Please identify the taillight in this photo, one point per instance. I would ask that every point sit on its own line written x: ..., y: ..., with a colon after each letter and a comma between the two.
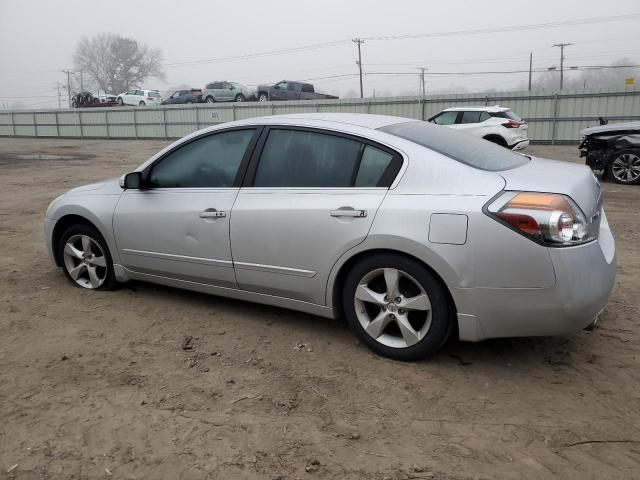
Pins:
x: 513, y: 124
x: 549, y: 218
x: 149, y: 98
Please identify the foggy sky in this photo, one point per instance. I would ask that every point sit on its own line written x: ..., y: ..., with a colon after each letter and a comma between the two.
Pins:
x: 38, y: 38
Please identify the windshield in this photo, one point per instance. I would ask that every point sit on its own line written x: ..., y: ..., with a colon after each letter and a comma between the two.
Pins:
x: 472, y: 151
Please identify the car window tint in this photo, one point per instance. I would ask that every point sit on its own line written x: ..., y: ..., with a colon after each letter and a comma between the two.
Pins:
x: 472, y: 151
x: 446, y: 118
x: 307, y: 88
x: 296, y: 158
x: 212, y: 161
x: 471, y: 117
x: 216, y: 86
x: 484, y: 116
x: 372, y: 167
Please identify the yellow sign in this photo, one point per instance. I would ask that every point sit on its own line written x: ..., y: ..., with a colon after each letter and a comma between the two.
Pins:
x: 629, y: 81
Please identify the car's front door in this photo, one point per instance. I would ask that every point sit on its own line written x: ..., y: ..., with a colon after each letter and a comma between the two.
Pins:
x: 279, y: 91
x: 310, y: 197
x: 129, y: 97
x: 178, y: 225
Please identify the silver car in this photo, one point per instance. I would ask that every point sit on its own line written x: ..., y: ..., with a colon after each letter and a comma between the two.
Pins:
x: 411, y: 231
x: 223, y: 91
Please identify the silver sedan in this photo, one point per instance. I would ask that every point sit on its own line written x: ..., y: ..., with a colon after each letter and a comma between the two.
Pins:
x: 411, y: 231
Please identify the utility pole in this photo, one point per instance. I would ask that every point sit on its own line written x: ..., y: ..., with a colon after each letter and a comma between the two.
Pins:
x: 530, y: 68
x: 359, y: 42
x: 58, y: 87
x: 423, y: 90
x: 68, y: 72
x: 561, y: 45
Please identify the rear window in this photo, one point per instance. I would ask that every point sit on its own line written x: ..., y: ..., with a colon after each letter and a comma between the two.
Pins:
x: 154, y: 94
x: 472, y: 151
x: 508, y: 114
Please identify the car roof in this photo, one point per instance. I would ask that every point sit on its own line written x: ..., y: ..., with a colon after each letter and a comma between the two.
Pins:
x: 630, y: 127
x: 364, y: 120
x: 495, y: 108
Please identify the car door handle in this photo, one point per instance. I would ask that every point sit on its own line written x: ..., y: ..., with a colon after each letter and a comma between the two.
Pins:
x: 212, y: 213
x: 348, y: 212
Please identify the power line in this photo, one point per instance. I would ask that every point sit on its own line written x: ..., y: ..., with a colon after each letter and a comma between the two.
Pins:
x: 515, y: 28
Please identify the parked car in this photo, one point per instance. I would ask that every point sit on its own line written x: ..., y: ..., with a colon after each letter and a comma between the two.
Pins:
x: 287, y: 90
x: 613, y: 149
x: 222, y: 91
x: 104, y: 97
x: 409, y: 230
x: 88, y: 99
x: 193, y: 95
x: 496, y: 124
x: 140, y: 98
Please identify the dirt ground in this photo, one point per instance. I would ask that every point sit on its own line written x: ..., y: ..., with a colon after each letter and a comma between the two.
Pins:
x: 97, y: 385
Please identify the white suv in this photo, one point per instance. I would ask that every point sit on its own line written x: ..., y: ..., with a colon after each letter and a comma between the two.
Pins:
x: 140, y: 97
x: 496, y: 124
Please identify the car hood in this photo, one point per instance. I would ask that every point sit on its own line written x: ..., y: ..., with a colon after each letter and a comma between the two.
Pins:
x: 552, y: 176
x: 627, y: 127
x: 107, y: 187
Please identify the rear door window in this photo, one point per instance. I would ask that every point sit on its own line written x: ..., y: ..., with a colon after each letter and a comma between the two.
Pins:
x: 373, y: 166
x: 470, y: 116
x: 299, y: 158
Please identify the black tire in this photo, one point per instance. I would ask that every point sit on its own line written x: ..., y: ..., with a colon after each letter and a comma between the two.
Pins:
x: 239, y: 98
x: 263, y: 97
x: 497, y: 140
x: 120, y: 101
x: 616, y: 171
x: 441, y: 325
x: 141, y: 104
x: 210, y: 99
x: 109, y: 282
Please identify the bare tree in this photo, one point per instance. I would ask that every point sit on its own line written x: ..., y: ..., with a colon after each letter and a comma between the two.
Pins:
x: 116, y: 64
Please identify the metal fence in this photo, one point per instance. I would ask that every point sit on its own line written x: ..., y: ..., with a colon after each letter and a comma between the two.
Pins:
x: 552, y: 117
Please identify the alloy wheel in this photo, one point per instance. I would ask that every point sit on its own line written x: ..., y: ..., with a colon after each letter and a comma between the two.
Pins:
x: 393, y: 308
x: 626, y: 168
x: 85, y: 261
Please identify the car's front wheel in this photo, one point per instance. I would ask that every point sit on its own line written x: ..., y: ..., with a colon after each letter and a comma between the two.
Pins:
x: 86, y: 260
x: 624, y: 167
x: 120, y: 101
x: 396, y: 306
x: 263, y: 97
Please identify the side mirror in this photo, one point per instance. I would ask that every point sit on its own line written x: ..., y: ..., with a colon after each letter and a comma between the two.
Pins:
x: 131, y: 181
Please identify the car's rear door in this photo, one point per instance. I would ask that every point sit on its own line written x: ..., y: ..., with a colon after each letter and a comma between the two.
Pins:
x: 178, y: 226
x: 309, y: 196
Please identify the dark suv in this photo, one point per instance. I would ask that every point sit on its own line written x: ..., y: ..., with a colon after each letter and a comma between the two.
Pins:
x: 193, y: 95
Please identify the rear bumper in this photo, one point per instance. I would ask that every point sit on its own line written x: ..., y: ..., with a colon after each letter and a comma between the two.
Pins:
x: 585, y: 276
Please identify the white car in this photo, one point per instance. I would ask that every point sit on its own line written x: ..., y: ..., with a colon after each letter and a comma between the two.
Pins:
x: 496, y: 124
x: 140, y: 98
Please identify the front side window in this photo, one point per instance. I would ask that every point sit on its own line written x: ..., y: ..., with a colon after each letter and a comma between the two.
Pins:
x: 297, y: 158
x: 209, y: 162
x: 446, y: 118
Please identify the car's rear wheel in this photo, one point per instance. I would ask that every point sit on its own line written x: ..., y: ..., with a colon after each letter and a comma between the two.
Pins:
x: 263, y: 97
x: 624, y: 167
x: 396, y: 306
x: 497, y: 140
x: 142, y: 104
x: 86, y: 260
x: 240, y: 98
x: 210, y: 99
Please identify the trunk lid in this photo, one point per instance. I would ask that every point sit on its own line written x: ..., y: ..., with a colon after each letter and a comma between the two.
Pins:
x: 552, y: 176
